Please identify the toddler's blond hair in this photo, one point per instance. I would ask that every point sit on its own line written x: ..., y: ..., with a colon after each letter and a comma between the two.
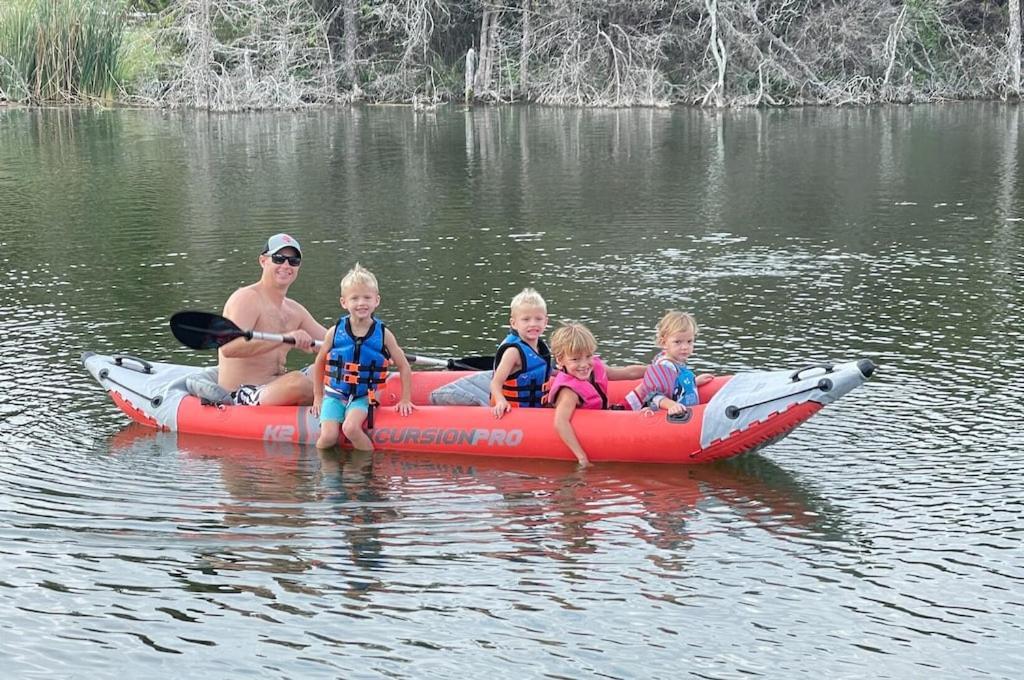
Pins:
x: 572, y: 340
x: 528, y: 298
x: 675, y: 322
x: 359, y: 276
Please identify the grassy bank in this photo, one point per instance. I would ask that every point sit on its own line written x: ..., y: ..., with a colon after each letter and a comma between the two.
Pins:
x: 60, y: 50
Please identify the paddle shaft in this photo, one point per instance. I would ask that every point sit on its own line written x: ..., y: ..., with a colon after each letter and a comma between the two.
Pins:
x: 288, y: 340
x: 273, y: 337
x: 203, y: 330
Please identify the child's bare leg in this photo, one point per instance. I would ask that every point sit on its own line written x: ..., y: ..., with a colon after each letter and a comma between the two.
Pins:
x: 328, y: 434
x: 353, y: 429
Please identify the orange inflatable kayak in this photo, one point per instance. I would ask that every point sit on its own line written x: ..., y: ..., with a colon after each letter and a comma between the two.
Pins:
x: 736, y: 414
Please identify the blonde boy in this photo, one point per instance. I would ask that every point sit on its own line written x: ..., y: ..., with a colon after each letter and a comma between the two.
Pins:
x: 353, y: 361
x: 522, y: 364
x: 668, y: 383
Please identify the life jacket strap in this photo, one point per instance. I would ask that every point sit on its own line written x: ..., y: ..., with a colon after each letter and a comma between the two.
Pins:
x: 531, y: 394
x: 356, y: 379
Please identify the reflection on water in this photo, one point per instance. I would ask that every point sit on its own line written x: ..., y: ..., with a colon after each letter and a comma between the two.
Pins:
x: 286, y: 524
x: 880, y: 539
x: 284, y: 489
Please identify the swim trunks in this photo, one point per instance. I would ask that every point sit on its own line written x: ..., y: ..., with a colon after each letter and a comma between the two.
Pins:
x: 249, y: 395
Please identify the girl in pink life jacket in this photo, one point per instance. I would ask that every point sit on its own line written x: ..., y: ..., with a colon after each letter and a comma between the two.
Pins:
x: 581, y: 381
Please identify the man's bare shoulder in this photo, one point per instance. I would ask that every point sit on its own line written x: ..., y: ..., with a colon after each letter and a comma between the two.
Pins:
x: 246, y: 294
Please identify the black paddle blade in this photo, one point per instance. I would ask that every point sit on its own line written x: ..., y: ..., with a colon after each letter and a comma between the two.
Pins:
x: 471, y: 364
x: 202, y: 330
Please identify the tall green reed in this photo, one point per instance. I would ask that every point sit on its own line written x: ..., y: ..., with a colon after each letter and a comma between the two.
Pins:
x: 60, y: 50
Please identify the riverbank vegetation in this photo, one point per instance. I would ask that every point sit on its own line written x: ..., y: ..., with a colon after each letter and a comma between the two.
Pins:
x: 253, y: 54
x: 60, y: 50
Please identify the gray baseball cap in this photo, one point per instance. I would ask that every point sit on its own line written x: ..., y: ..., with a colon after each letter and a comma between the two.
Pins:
x: 279, y: 241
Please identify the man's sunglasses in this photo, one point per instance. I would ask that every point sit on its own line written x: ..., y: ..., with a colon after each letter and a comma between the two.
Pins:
x: 293, y: 260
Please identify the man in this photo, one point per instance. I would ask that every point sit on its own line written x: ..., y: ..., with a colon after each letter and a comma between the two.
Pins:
x: 254, y: 370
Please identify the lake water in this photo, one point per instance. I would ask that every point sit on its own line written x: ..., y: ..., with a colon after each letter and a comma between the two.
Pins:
x: 881, y: 539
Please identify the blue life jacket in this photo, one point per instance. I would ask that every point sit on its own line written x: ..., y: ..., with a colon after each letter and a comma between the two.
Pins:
x: 528, y: 386
x: 355, y: 366
x: 685, y: 390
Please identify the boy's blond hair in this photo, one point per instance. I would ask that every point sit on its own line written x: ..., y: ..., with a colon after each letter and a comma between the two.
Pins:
x: 359, y: 276
x: 528, y: 298
x: 572, y: 340
x: 675, y: 322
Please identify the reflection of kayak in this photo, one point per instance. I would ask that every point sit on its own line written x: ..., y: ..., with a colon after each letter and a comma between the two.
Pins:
x: 525, y: 491
x: 737, y: 414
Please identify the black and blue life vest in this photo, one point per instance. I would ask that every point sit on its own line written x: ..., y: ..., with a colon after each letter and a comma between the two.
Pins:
x: 356, y: 366
x: 528, y: 386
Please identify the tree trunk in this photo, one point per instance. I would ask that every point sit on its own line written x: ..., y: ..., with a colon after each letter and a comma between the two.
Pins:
x: 716, y: 93
x: 488, y: 26
x: 470, y: 72
x: 480, y: 77
x: 524, y: 52
x: 206, y: 52
x: 1013, y: 47
x: 492, y: 40
x: 351, y: 29
x: 892, y: 44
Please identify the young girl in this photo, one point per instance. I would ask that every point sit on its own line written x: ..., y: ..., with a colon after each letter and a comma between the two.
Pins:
x: 668, y: 383
x: 581, y: 381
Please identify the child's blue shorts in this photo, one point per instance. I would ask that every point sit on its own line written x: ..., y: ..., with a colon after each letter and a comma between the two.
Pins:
x: 334, y: 409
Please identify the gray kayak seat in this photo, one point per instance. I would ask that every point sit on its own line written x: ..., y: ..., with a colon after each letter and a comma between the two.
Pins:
x: 203, y: 384
x: 472, y: 390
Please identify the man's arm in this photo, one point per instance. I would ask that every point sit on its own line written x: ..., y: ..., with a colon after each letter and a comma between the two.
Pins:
x: 309, y: 324
x: 243, y: 309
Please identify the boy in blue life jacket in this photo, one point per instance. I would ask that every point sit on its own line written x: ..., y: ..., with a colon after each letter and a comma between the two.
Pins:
x: 522, y: 365
x: 352, y: 362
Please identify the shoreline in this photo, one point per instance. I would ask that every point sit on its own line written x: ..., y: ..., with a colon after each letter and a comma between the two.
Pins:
x: 499, y: 105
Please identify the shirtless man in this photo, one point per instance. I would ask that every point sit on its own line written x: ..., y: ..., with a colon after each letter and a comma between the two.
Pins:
x: 253, y: 370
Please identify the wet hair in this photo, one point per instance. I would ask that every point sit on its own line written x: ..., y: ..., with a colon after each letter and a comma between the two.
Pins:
x: 572, y: 340
x: 359, y: 276
x: 675, y: 322
x: 528, y: 298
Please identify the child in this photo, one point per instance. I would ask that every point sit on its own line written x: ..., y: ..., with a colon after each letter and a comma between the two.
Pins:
x: 352, y: 361
x: 521, y: 376
x: 581, y: 381
x: 668, y: 384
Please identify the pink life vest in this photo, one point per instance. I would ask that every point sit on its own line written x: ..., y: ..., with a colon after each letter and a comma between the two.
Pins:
x: 593, y: 393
